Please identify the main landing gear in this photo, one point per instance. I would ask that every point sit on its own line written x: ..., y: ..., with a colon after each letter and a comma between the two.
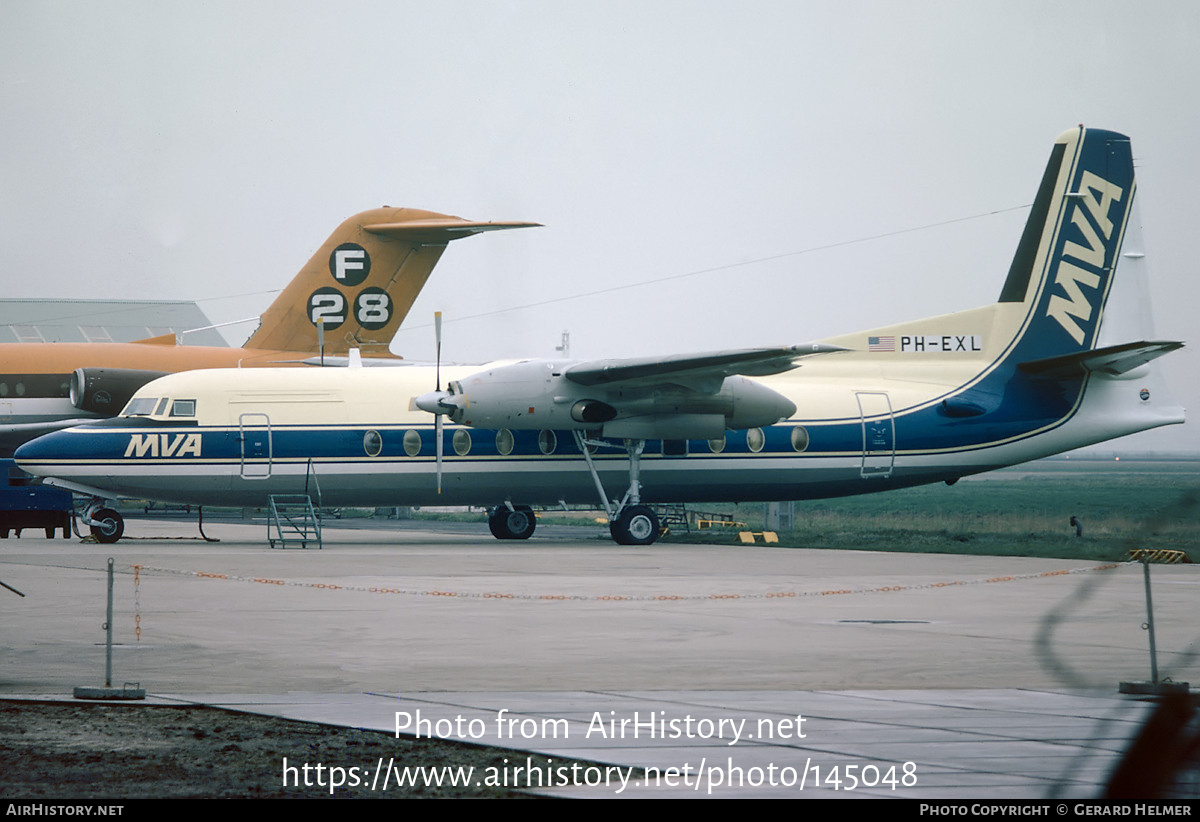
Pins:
x: 636, y: 525
x: 512, y: 522
x: 630, y: 522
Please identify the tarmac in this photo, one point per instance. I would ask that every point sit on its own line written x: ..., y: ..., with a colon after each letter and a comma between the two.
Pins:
x: 732, y: 671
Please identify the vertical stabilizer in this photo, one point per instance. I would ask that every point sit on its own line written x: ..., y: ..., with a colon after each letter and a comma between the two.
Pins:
x: 1068, y: 258
x: 362, y: 282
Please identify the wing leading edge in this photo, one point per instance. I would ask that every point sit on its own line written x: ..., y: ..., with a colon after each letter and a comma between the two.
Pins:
x: 700, y: 372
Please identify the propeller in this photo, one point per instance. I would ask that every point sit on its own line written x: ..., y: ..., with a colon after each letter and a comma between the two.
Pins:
x: 437, y: 417
x: 438, y: 402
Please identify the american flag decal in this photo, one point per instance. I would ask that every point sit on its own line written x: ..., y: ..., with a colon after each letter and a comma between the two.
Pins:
x: 881, y: 343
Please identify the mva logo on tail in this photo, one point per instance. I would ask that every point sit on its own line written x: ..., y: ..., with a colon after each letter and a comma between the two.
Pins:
x: 1072, y: 242
x: 1093, y: 218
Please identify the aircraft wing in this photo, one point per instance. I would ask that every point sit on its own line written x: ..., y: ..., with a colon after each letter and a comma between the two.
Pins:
x: 702, y: 372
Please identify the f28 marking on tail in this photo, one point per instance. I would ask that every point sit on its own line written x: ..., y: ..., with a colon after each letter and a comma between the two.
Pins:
x: 154, y: 445
x: 350, y: 264
x: 1069, y: 277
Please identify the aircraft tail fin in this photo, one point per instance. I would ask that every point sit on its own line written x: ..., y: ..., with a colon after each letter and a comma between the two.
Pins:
x: 1079, y: 259
x: 1076, y: 283
x: 362, y: 282
x: 1073, y: 320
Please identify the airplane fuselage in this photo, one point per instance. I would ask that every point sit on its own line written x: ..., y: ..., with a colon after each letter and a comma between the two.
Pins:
x: 352, y: 437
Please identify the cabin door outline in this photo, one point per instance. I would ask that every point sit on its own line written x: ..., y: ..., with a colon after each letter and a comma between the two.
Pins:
x: 878, y: 434
x: 257, y: 445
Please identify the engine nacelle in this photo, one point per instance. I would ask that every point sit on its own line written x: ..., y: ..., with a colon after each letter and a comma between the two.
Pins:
x: 535, y: 394
x: 107, y: 390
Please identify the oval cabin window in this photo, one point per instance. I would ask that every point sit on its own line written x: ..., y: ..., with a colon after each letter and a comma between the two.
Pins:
x: 372, y: 443
x: 462, y: 442
x: 504, y: 442
x: 412, y: 443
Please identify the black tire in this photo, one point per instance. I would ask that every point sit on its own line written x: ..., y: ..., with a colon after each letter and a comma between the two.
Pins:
x: 111, y: 527
x: 637, y: 525
x: 518, y: 523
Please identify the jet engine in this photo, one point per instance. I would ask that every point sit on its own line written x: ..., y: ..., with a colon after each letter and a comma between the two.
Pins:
x: 107, y: 390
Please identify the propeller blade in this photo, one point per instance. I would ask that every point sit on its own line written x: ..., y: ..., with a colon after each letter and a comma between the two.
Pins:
x: 437, y: 432
x: 433, y: 405
x: 437, y: 335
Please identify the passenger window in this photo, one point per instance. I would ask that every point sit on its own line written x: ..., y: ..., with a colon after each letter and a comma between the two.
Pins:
x: 412, y: 443
x: 461, y: 442
x: 504, y: 442
x: 372, y: 443
x: 183, y: 408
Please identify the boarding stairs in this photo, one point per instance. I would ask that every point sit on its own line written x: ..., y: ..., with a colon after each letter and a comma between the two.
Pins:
x: 674, y: 518
x: 291, y: 520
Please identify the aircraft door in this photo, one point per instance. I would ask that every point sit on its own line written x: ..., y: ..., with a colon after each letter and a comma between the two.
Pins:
x: 878, y: 433
x: 255, y: 434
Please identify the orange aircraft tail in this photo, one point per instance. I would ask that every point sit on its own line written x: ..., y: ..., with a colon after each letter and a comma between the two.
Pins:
x: 362, y: 282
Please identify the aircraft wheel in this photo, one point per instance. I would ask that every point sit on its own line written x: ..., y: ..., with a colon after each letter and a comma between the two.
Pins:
x: 637, y: 525
x: 111, y: 526
x: 515, y: 524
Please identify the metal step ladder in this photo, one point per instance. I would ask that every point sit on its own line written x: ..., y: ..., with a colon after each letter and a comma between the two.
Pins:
x: 292, y: 519
x: 674, y: 518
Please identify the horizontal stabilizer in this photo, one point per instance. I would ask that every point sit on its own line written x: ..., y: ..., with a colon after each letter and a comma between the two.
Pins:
x: 691, y: 369
x: 440, y: 231
x: 1114, y: 360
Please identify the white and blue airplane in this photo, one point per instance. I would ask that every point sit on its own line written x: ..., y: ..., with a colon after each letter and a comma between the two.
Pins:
x: 1062, y: 360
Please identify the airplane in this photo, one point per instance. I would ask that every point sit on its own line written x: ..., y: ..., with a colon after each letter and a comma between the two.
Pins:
x: 352, y: 294
x: 1062, y: 360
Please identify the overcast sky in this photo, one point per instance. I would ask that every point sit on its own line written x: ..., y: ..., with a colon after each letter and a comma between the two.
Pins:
x: 749, y: 151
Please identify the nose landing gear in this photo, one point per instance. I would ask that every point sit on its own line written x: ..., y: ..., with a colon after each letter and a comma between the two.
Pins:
x: 106, y: 525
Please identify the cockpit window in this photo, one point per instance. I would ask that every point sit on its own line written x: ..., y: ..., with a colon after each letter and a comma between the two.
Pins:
x: 183, y: 408
x: 162, y: 406
x: 140, y: 407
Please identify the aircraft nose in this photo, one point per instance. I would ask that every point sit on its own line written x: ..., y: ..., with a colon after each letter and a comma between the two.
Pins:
x: 29, y: 455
